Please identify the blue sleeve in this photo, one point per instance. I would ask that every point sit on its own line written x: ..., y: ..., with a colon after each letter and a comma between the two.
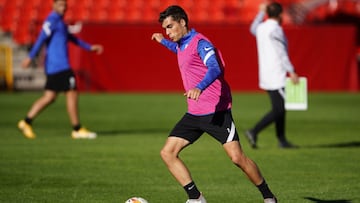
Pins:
x: 46, y: 31
x: 208, y: 55
x: 79, y: 42
x: 172, y: 46
x: 38, y: 44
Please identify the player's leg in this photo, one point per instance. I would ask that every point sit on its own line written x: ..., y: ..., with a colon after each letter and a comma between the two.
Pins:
x: 249, y: 167
x: 39, y: 105
x: 278, y: 107
x: 68, y: 85
x: 222, y: 128
x: 73, y: 112
x: 72, y: 107
x: 237, y: 156
x: 45, y: 100
x: 185, y: 132
x: 266, y: 120
x: 169, y: 154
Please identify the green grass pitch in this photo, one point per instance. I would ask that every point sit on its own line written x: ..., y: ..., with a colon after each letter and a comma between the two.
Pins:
x: 124, y: 160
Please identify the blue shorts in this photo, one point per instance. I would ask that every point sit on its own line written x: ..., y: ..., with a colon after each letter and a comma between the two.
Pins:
x: 219, y: 125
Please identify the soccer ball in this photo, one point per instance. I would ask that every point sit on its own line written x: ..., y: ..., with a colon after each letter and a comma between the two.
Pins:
x: 136, y: 200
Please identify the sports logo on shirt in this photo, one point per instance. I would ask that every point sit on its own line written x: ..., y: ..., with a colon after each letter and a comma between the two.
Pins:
x: 46, y: 28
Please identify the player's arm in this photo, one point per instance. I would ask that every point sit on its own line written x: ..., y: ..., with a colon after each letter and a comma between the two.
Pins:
x: 279, y: 42
x: 209, y: 57
x: 45, y: 33
x: 172, y: 46
x: 258, y: 19
x: 96, y: 47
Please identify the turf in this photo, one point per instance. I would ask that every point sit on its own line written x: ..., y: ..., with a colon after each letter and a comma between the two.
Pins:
x: 124, y: 160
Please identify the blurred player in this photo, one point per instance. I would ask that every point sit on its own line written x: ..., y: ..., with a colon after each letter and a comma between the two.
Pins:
x: 209, y: 104
x: 59, y: 76
x: 274, y: 63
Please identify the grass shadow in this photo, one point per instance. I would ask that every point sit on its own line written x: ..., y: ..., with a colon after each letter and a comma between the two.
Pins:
x: 353, y: 144
x: 131, y: 132
x: 327, y: 201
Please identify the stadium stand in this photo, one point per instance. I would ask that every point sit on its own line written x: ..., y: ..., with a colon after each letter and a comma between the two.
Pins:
x: 21, y: 19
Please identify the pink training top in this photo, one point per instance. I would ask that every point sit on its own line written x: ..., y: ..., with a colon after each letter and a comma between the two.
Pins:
x: 217, y: 96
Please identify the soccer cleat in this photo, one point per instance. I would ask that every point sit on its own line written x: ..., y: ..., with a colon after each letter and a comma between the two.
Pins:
x: 26, y: 129
x: 83, y: 133
x: 287, y: 145
x: 270, y: 200
x: 201, y: 199
x: 251, y: 138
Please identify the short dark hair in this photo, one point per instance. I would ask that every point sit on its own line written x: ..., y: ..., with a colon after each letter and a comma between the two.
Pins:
x: 176, y: 12
x: 274, y: 10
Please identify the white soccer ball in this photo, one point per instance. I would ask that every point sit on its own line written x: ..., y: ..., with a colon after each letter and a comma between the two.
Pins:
x: 136, y: 200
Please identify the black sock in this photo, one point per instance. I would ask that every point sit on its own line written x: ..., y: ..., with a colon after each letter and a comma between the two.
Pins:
x: 77, y: 127
x: 192, y: 190
x: 265, y: 191
x: 28, y: 120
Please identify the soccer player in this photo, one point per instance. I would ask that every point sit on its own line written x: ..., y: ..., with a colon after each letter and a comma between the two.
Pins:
x: 274, y: 63
x: 59, y: 76
x: 209, y: 104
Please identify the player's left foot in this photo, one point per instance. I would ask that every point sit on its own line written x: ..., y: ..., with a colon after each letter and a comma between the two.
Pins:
x: 270, y: 200
x: 26, y: 129
x: 83, y: 133
x: 251, y: 138
x: 287, y: 145
x: 201, y: 199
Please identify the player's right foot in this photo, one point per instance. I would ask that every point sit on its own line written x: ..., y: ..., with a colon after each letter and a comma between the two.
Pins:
x: 26, y: 129
x: 251, y: 138
x: 83, y: 133
x: 270, y: 200
x: 287, y: 145
x: 201, y: 199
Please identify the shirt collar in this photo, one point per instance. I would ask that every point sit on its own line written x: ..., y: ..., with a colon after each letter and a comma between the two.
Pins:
x: 184, y: 41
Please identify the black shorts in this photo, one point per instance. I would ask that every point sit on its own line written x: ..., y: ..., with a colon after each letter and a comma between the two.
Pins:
x: 61, y: 82
x: 219, y: 125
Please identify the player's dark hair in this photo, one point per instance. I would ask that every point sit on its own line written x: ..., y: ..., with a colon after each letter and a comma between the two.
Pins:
x: 274, y: 10
x: 176, y: 12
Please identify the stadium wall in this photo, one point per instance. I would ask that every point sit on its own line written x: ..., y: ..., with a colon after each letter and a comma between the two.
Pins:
x: 131, y: 61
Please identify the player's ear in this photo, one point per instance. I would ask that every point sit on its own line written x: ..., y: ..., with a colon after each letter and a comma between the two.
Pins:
x: 182, y: 22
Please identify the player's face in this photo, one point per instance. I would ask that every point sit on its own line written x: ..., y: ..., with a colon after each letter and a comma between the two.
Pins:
x: 174, y: 30
x: 60, y: 7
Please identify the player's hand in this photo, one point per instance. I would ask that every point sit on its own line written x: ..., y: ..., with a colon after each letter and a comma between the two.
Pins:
x: 97, y: 48
x: 157, y: 36
x: 26, y: 62
x: 193, y: 94
x: 262, y: 7
x: 294, y: 78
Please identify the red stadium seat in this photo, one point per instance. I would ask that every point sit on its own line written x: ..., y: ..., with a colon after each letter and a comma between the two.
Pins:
x: 9, y: 15
x: 115, y: 14
x: 24, y: 25
x: 217, y: 11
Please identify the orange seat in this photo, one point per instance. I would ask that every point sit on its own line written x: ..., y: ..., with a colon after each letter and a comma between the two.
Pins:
x: 115, y: 14
x: 12, y: 13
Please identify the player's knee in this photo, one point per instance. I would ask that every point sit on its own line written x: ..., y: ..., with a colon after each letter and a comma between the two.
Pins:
x: 279, y: 112
x: 168, y: 155
x: 48, y: 100
x: 165, y: 155
x: 238, y: 160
